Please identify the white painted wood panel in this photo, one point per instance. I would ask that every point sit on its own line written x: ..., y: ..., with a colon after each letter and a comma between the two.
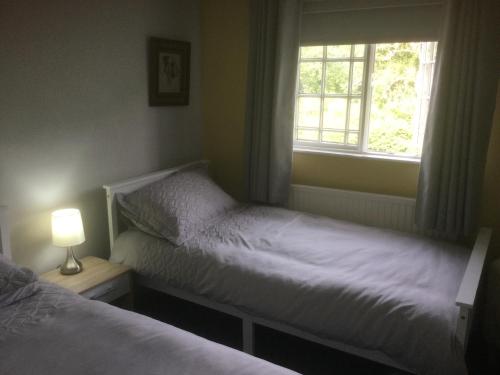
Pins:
x: 378, y: 210
x: 4, y: 233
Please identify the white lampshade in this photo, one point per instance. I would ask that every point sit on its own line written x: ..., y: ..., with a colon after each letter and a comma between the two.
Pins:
x: 67, y: 228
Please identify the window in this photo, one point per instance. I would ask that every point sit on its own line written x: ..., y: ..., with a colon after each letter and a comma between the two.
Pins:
x: 364, y: 98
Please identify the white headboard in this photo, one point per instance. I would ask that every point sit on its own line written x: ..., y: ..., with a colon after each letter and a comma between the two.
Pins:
x: 128, y: 186
x: 4, y: 233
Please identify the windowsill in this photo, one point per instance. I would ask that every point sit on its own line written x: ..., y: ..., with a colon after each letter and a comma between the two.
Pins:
x: 389, y: 158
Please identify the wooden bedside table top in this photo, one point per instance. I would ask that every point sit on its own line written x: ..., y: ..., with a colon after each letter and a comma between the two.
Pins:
x: 95, y: 272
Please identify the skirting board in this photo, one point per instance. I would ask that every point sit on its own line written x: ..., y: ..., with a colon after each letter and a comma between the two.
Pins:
x: 383, y: 211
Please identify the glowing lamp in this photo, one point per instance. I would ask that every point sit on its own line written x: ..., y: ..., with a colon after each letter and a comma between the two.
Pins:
x: 67, y: 231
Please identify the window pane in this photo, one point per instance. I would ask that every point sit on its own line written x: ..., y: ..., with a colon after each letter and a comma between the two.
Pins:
x: 309, y: 109
x: 359, y: 50
x: 333, y: 137
x: 331, y: 102
x: 310, y: 77
x: 431, y: 48
x: 311, y: 52
x: 338, y: 52
x: 307, y: 135
x: 357, y: 78
x: 337, y: 77
x: 334, y: 113
x: 352, y: 138
x: 422, y: 118
x: 395, y: 117
x: 354, y: 114
x: 428, y: 71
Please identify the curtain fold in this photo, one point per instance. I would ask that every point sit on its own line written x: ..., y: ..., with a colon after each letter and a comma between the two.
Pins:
x: 459, y: 119
x: 273, y: 56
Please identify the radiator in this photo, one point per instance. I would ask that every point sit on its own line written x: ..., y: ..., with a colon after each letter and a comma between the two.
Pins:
x: 386, y: 211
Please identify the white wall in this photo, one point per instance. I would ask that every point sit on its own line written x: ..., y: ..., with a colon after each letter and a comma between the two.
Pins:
x: 74, y: 112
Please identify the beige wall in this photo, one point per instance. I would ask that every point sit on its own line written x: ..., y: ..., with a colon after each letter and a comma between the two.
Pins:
x: 74, y: 111
x: 224, y: 40
x: 352, y: 173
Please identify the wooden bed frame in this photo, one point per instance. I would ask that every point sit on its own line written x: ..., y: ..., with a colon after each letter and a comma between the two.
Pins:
x: 466, y: 296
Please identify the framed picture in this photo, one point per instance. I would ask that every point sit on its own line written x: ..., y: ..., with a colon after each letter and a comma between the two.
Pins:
x: 168, y: 72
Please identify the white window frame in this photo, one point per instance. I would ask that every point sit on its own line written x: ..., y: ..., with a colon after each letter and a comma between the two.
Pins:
x: 365, y: 104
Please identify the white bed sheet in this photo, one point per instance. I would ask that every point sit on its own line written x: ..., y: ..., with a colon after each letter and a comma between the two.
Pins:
x: 375, y: 289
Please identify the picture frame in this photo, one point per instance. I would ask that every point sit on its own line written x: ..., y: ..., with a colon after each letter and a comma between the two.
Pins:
x: 168, y: 70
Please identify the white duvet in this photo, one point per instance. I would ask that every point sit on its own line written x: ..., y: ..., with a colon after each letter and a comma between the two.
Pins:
x: 375, y: 289
x: 56, y: 332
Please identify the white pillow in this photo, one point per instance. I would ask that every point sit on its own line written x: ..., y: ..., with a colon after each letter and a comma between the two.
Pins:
x: 176, y: 206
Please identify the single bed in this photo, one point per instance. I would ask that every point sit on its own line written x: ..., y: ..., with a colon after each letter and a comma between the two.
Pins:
x: 400, y: 299
x: 45, y: 329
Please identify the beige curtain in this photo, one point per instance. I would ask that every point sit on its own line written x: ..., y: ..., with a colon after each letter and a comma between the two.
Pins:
x: 459, y: 119
x: 274, y: 48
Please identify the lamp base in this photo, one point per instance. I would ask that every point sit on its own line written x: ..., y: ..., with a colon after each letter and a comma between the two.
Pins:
x: 72, y: 265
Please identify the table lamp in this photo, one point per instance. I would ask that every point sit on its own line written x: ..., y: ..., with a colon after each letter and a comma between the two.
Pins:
x: 67, y: 231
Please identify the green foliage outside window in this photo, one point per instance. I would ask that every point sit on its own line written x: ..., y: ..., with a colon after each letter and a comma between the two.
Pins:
x: 310, y: 77
x: 394, y: 98
x: 396, y: 104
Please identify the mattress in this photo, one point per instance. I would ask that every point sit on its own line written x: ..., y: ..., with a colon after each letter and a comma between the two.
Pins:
x: 371, y: 288
x: 57, y: 332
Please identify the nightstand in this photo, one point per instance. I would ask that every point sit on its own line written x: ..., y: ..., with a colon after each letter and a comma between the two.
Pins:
x: 100, y: 280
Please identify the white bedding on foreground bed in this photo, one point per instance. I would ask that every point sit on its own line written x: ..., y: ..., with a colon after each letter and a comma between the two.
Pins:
x: 371, y: 288
x: 54, y: 331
